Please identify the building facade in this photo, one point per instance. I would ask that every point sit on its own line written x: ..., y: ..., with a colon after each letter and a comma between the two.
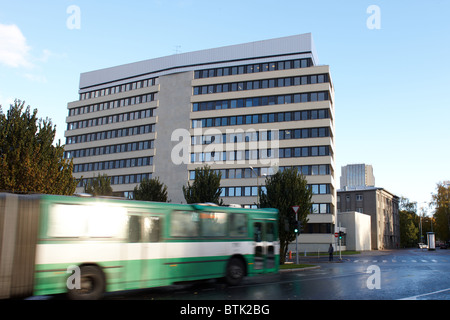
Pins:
x: 246, y: 110
x: 382, y: 206
x: 357, y: 176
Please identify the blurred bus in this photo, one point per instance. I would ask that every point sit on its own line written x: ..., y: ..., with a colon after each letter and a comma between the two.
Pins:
x: 85, y: 246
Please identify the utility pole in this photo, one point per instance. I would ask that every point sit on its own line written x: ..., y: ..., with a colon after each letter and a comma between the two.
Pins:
x: 297, y: 231
x: 340, y: 252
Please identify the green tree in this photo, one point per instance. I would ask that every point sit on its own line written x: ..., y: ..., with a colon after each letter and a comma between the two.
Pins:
x: 99, y: 186
x: 409, y: 223
x: 283, y: 191
x: 441, y: 202
x: 205, y: 188
x: 29, y: 162
x: 151, y: 190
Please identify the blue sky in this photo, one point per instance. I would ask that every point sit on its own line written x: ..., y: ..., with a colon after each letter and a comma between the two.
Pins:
x: 391, y: 84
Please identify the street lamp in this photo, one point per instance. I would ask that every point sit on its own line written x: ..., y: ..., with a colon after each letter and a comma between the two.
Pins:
x: 257, y: 184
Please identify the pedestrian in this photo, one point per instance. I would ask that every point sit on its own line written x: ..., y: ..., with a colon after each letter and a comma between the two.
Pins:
x: 330, y: 252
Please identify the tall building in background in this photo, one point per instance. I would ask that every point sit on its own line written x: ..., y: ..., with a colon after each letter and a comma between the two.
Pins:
x: 357, y: 176
x: 246, y: 110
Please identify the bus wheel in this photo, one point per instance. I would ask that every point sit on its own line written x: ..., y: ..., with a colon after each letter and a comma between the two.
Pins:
x: 235, y: 272
x: 91, y: 284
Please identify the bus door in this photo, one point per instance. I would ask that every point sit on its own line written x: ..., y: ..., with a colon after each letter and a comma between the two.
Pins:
x: 265, y: 242
x: 151, y: 250
x: 143, y: 251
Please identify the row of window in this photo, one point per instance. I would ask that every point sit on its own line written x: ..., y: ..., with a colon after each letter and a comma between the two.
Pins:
x: 310, y: 170
x: 112, y: 104
x: 252, y: 191
x: 118, y: 148
x: 124, y: 179
x: 261, y: 84
x: 128, y: 116
x: 261, y: 118
x: 117, y: 89
x: 261, y: 101
x: 253, y: 135
x: 261, y: 135
x: 111, y: 134
x: 247, y: 173
x: 304, y: 133
x: 113, y: 164
x: 254, y: 68
x: 297, y: 152
x: 238, y: 155
x: 320, y: 208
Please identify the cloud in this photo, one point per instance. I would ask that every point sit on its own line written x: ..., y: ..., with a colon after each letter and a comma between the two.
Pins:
x: 14, y: 51
x: 35, y: 78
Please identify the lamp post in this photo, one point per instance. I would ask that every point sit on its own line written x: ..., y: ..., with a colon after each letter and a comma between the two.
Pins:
x: 257, y: 184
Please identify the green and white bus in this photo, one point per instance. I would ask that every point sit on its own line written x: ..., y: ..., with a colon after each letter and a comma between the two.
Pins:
x: 122, y: 245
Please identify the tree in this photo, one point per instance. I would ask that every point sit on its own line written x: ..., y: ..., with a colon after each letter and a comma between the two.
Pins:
x: 441, y: 202
x: 205, y: 188
x: 409, y: 223
x: 99, y: 186
x: 283, y: 191
x: 151, y: 190
x: 29, y: 162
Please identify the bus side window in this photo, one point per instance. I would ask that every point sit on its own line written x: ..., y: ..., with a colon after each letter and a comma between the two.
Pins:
x: 238, y: 225
x: 257, y: 231
x: 270, y: 232
x: 151, y: 229
x: 184, y: 224
x: 134, y: 229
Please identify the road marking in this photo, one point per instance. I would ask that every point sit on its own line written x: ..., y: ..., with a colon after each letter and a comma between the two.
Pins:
x: 375, y: 261
x: 394, y: 261
x: 403, y: 260
x: 413, y: 261
x: 356, y: 261
x: 425, y: 294
x: 384, y: 261
x: 365, y: 261
x: 424, y: 261
x: 434, y: 260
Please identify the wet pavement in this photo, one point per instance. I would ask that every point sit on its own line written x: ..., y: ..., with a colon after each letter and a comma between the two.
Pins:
x: 410, y: 274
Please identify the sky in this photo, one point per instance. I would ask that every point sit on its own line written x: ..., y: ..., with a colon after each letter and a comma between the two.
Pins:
x: 388, y: 62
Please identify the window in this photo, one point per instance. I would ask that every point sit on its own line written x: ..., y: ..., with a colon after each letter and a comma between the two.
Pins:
x: 238, y: 225
x: 213, y: 224
x: 184, y: 224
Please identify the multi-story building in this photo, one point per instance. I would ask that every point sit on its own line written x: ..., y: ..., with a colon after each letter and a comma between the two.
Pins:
x: 245, y: 110
x: 382, y: 206
x: 357, y: 176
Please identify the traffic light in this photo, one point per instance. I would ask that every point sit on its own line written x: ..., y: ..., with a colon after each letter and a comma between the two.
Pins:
x: 298, y: 227
x: 341, y: 235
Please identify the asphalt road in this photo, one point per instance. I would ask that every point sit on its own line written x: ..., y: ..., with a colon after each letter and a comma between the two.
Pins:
x: 411, y: 274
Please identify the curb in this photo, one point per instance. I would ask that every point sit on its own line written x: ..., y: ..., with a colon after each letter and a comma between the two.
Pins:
x: 298, y: 269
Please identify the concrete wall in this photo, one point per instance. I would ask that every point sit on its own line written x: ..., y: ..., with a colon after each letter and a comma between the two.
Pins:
x: 358, y: 227
x: 172, y: 113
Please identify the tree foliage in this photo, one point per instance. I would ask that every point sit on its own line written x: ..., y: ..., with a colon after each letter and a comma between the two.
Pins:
x: 99, y: 186
x: 284, y: 190
x: 151, y: 190
x: 205, y: 188
x: 441, y: 202
x: 29, y: 162
x: 409, y: 223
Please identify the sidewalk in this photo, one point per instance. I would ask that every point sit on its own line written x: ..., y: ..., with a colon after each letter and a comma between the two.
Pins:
x: 324, y: 258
